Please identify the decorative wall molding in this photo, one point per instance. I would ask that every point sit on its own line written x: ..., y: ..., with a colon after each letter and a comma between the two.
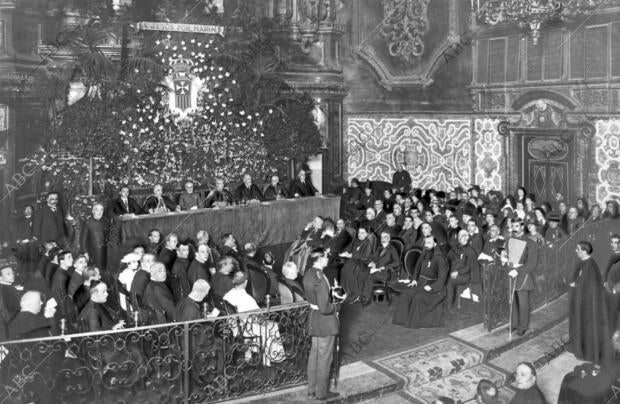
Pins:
x: 607, y: 159
x: 404, y: 24
x: 400, y: 62
x: 437, y: 151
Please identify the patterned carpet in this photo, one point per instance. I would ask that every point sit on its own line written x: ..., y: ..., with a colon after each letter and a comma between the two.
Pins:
x: 446, y: 367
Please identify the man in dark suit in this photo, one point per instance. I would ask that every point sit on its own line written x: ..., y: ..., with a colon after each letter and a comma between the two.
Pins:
x: 48, y: 223
x: 275, y: 190
x: 408, y: 234
x: 124, y: 204
x: 323, y: 326
x: 248, y: 191
x: 93, y: 237
x: 60, y: 281
x: 26, y: 249
x: 302, y: 186
x: 521, y: 276
x: 9, y: 295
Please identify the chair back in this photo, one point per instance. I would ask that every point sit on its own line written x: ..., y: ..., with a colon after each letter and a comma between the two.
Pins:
x: 411, y: 258
x: 373, y: 241
x: 259, y: 284
x: 286, y: 294
x: 399, y: 245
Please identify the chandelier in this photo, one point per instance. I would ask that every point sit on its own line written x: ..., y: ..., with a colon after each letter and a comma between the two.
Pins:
x: 533, y: 14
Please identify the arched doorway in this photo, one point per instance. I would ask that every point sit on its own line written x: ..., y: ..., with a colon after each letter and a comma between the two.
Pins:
x: 547, y: 153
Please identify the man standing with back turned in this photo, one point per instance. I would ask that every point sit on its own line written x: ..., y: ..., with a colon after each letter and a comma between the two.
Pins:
x: 323, y: 327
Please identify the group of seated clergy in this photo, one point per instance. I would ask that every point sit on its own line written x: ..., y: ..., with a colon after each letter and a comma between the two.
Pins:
x: 177, y: 281
x: 220, y: 196
x: 455, y: 232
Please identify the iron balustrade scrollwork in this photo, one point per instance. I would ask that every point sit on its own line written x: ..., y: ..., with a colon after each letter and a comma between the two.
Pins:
x: 556, y: 263
x: 199, y: 361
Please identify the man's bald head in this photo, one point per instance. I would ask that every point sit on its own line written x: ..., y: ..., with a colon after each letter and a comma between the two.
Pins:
x: 31, y: 302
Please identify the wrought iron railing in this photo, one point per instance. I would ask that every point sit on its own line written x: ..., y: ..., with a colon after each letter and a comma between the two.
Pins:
x: 555, y: 267
x: 199, y: 361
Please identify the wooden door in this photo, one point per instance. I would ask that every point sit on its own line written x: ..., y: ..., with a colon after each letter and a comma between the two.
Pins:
x: 546, y: 168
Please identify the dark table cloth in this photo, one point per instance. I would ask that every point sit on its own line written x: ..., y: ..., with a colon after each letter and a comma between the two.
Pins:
x: 266, y: 223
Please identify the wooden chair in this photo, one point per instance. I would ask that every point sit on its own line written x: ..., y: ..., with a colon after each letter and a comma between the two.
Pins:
x: 410, y: 259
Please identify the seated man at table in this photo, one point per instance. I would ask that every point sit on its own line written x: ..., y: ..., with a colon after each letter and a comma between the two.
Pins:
x: 190, y: 200
x: 219, y: 197
x: 302, y: 186
x: 275, y: 190
x: 248, y: 191
x: 124, y: 204
x: 158, y: 202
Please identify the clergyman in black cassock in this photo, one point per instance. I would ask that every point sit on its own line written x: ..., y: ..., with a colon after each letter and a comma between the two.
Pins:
x: 420, y: 305
x: 588, y: 324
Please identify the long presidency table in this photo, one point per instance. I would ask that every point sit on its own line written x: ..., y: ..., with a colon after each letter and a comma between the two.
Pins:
x: 266, y: 223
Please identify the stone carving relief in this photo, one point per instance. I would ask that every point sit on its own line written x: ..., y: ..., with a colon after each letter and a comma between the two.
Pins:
x: 593, y: 99
x: 437, y: 151
x: 404, y: 24
x: 406, y: 41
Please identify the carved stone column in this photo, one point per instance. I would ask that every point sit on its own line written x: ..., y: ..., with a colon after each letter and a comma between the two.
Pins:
x: 312, y: 65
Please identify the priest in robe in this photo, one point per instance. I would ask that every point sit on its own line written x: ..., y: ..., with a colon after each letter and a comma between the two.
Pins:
x: 30, y: 322
x: 159, y: 203
x: 219, y: 197
x: 158, y: 296
x: 421, y: 303
x: 95, y: 316
x: 189, y: 308
x: 357, y: 257
x: 588, y: 318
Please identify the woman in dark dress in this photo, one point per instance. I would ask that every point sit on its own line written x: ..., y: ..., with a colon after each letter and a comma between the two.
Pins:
x: 357, y: 255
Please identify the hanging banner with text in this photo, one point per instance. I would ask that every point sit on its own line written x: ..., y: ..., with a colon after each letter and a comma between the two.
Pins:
x: 174, y: 27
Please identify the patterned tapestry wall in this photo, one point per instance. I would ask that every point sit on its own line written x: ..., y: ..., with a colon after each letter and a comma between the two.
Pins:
x: 608, y: 160
x: 488, y: 154
x: 438, y: 152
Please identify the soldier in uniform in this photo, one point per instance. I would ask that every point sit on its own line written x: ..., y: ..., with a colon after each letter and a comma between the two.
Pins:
x: 523, y: 258
x: 323, y: 326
